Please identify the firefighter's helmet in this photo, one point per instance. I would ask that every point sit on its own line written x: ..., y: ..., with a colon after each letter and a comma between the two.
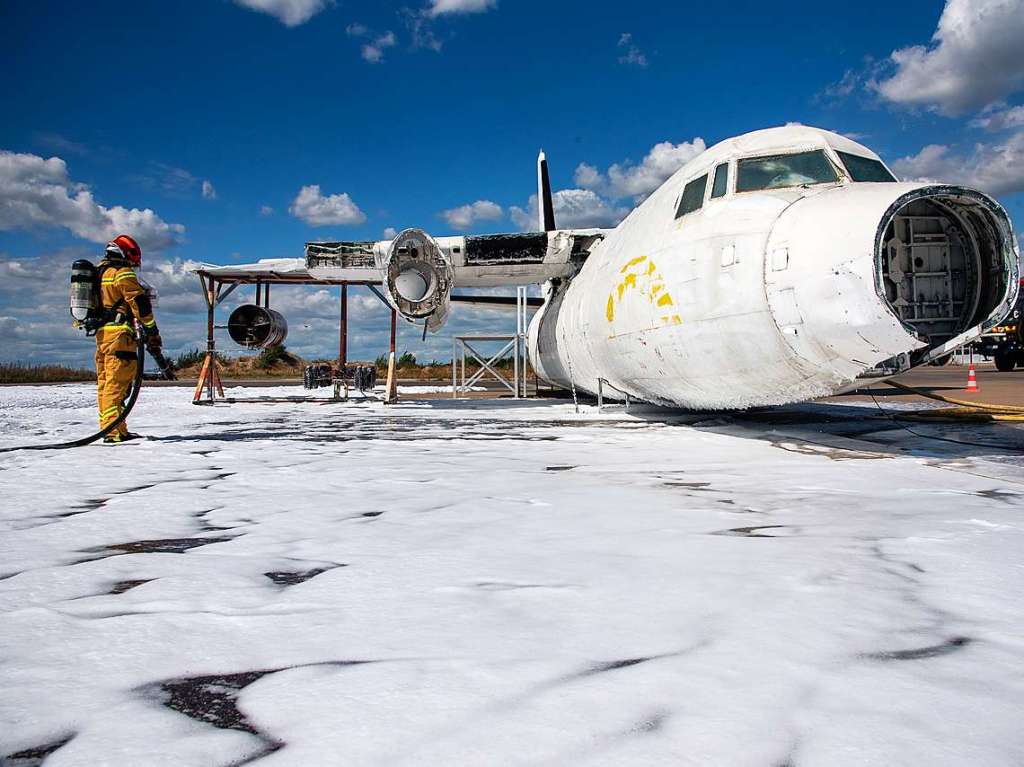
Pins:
x: 124, y: 248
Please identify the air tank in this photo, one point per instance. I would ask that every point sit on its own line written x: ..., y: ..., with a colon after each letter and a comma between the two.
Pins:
x: 83, y: 294
x: 257, y: 327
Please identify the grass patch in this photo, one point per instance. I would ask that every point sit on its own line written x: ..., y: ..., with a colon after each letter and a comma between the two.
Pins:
x: 274, y: 356
x: 195, y: 357
x: 20, y: 373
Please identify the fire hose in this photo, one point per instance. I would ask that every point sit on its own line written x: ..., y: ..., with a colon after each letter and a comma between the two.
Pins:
x: 961, y: 410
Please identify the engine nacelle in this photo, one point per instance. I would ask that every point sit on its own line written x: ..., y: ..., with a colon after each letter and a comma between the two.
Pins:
x: 256, y: 327
x: 418, y: 279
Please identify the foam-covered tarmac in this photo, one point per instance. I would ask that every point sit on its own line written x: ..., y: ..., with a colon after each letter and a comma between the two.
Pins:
x: 499, y: 582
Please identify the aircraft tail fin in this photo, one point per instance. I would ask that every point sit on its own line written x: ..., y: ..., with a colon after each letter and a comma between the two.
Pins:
x: 545, y: 207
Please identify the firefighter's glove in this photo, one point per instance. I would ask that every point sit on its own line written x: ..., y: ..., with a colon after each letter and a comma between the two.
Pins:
x: 154, y: 343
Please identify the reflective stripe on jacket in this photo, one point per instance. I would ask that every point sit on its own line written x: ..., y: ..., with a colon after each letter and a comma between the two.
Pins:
x: 120, y: 288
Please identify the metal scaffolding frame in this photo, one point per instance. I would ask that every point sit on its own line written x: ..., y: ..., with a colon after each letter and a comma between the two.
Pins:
x: 515, y: 342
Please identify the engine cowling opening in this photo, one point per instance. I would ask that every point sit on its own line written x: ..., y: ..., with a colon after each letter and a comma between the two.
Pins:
x: 419, y: 279
x: 412, y: 284
x: 257, y: 327
x: 947, y: 262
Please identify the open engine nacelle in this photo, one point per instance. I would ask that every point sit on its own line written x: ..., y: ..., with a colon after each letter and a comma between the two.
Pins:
x: 418, y: 279
x: 257, y: 327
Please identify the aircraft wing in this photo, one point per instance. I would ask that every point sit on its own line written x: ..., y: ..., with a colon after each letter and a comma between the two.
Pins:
x: 482, y: 261
x: 418, y: 272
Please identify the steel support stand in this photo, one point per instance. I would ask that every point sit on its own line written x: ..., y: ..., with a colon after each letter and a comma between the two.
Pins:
x: 209, y: 376
x: 343, y: 332
x: 521, y: 328
x: 391, y: 393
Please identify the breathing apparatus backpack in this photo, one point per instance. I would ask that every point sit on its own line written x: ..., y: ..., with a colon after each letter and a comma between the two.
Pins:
x: 87, y: 312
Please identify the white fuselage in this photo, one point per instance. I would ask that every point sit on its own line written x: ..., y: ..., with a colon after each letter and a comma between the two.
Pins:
x: 758, y: 298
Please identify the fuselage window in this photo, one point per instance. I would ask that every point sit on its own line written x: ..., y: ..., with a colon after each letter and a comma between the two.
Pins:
x: 721, y: 182
x: 693, y: 196
x: 784, y: 170
x: 864, y: 168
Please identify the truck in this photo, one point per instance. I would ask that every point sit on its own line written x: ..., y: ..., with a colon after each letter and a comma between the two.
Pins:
x: 1005, y: 342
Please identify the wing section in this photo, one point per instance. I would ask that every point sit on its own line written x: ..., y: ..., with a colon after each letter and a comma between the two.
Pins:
x: 418, y: 271
x: 483, y: 261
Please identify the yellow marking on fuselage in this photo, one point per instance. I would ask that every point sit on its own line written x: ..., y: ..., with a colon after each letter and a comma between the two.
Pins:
x: 634, y: 262
x: 648, y: 282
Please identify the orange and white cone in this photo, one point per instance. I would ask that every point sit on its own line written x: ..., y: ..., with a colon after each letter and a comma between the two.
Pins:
x: 972, y: 379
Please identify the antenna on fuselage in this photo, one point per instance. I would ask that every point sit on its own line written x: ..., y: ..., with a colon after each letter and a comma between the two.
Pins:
x: 545, y: 208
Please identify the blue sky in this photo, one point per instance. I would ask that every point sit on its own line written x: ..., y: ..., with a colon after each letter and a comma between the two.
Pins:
x: 229, y: 131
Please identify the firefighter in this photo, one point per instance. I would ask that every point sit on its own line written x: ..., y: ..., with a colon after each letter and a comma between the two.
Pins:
x: 124, y: 301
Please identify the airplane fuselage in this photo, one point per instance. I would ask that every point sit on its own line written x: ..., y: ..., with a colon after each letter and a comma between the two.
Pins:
x: 773, y: 296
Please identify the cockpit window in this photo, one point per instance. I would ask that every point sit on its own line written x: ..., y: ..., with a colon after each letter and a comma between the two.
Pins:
x: 693, y: 196
x: 784, y: 170
x: 864, y: 168
x: 721, y: 183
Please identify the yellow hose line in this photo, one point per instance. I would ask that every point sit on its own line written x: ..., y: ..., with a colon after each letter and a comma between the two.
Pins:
x: 957, y: 414
x: 963, y: 404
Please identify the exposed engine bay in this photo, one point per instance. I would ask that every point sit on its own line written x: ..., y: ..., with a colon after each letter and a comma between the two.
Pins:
x: 943, y: 259
x: 418, y: 278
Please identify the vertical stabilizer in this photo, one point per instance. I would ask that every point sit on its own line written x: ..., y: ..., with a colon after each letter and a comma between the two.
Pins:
x: 545, y: 208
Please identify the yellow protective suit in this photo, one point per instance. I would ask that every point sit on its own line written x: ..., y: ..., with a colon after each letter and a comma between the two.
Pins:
x: 116, y: 348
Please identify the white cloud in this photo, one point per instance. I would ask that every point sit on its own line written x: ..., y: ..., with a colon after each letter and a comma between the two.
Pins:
x: 629, y: 53
x: 374, y: 52
x: 266, y: 210
x: 850, y: 81
x: 32, y: 278
x: 465, y: 216
x: 291, y: 13
x: 421, y: 32
x: 574, y: 209
x: 1000, y: 118
x: 390, y: 233
x: 176, y: 284
x: 316, y: 210
x: 12, y: 270
x: 209, y: 193
x: 588, y: 177
x: 594, y: 203
x: 975, y: 59
x: 996, y: 168
x: 662, y: 161
x: 441, y: 7
x: 36, y: 192
x: 628, y: 180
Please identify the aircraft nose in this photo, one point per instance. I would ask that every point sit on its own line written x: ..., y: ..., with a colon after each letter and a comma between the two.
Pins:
x: 836, y: 273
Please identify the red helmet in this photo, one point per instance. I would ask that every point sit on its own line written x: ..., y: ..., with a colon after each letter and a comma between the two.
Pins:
x: 125, y: 248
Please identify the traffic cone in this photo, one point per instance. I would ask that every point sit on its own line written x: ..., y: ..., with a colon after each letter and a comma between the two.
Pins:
x: 972, y: 379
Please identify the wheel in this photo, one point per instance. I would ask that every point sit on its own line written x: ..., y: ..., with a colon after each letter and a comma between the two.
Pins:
x: 939, y: 362
x: 1005, y: 362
